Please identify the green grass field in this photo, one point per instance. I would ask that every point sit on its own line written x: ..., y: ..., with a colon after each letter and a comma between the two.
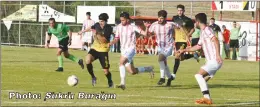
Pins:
x: 32, y: 70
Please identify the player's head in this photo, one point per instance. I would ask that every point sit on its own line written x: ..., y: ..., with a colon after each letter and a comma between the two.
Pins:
x: 103, y: 19
x: 201, y: 18
x: 52, y: 22
x: 234, y: 24
x: 223, y: 27
x: 212, y: 21
x: 88, y: 14
x: 181, y: 9
x: 162, y: 15
x: 124, y: 18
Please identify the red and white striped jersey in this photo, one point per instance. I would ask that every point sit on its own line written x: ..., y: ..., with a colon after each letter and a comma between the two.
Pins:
x: 126, y: 34
x: 87, y: 24
x: 163, y: 33
x: 208, y: 46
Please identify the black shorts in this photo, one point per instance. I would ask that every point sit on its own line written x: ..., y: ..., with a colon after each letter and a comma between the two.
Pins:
x: 102, y: 56
x: 234, y: 44
x: 63, y: 44
x: 194, y: 41
x: 179, y: 44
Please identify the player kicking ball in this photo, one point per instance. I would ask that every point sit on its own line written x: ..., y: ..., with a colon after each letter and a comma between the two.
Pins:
x: 61, y: 32
x: 126, y: 34
x: 164, y: 38
x: 210, y: 45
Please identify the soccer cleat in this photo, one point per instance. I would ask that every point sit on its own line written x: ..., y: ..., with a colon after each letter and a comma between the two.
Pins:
x: 196, y: 56
x: 203, y: 101
x: 60, y: 69
x: 161, y: 81
x: 94, y: 81
x: 121, y: 86
x: 81, y: 63
x: 110, y: 84
x: 168, y: 84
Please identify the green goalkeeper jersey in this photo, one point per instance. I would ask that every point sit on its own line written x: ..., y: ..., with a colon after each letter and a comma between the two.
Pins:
x: 59, y: 30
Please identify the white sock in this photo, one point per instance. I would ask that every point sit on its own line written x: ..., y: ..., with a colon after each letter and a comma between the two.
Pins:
x: 167, y: 72
x: 162, y: 69
x: 203, y: 84
x: 149, y: 51
x: 122, y: 74
x: 152, y: 50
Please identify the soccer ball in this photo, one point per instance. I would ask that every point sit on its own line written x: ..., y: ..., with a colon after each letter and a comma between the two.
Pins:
x: 72, y: 80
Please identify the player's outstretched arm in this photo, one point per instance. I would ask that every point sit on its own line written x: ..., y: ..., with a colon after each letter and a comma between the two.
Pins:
x: 146, y: 24
x: 192, y: 49
x: 114, y: 41
x: 48, y: 40
x: 86, y: 30
x: 70, y: 37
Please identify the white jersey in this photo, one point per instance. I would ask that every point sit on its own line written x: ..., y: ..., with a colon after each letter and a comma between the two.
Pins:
x: 163, y: 33
x: 208, y: 46
x: 126, y: 34
x: 86, y: 24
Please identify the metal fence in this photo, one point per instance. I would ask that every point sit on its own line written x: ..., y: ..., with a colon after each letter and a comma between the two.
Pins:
x: 33, y: 33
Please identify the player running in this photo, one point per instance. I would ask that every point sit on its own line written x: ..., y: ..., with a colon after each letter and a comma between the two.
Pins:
x: 87, y: 36
x: 61, y: 32
x: 164, y: 38
x: 100, y: 49
x: 181, y: 36
x: 126, y: 33
x: 210, y: 45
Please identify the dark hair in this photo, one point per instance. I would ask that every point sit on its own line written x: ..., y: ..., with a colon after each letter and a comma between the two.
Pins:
x: 223, y: 26
x: 162, y: 13
x: 88, y: 13
x: 201, y: 17
x: 103, y: 16
x: 52, y: 19
x: 181, y: 6
x: 234, y: 22
x: 212, y: 18
x: 125, y: 15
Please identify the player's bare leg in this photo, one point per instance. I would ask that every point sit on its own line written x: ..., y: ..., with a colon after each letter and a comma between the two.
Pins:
x: 156, y: 51
x: 89, y: 59
x: 204, y: 87
x: 125, y: 64
x: 88, y: 46
x: 73, y: 58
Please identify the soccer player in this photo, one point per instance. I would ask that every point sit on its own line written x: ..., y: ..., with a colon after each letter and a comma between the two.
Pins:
x: 63, y: 33
x: 210, y: 45
x: 149, y: 46
x: 195, y: 40
x: 164, y: 38
x: 100, y: 48
x: 226, y: 34
x: 181, y: 36
x: 234, y: 43
x: 218, y: 33
x: 126, y: 33
x: 87, y: 36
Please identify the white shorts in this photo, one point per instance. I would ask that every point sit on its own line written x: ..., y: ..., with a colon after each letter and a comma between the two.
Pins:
x: 87, y: 38
x: 211, y: 67
x: 164, y: 51
x: 128, y: 53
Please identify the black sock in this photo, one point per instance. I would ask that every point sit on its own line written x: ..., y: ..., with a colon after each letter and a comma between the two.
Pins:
x: 176, y: 66
x: 90, y: 70
x: 109, y: 77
